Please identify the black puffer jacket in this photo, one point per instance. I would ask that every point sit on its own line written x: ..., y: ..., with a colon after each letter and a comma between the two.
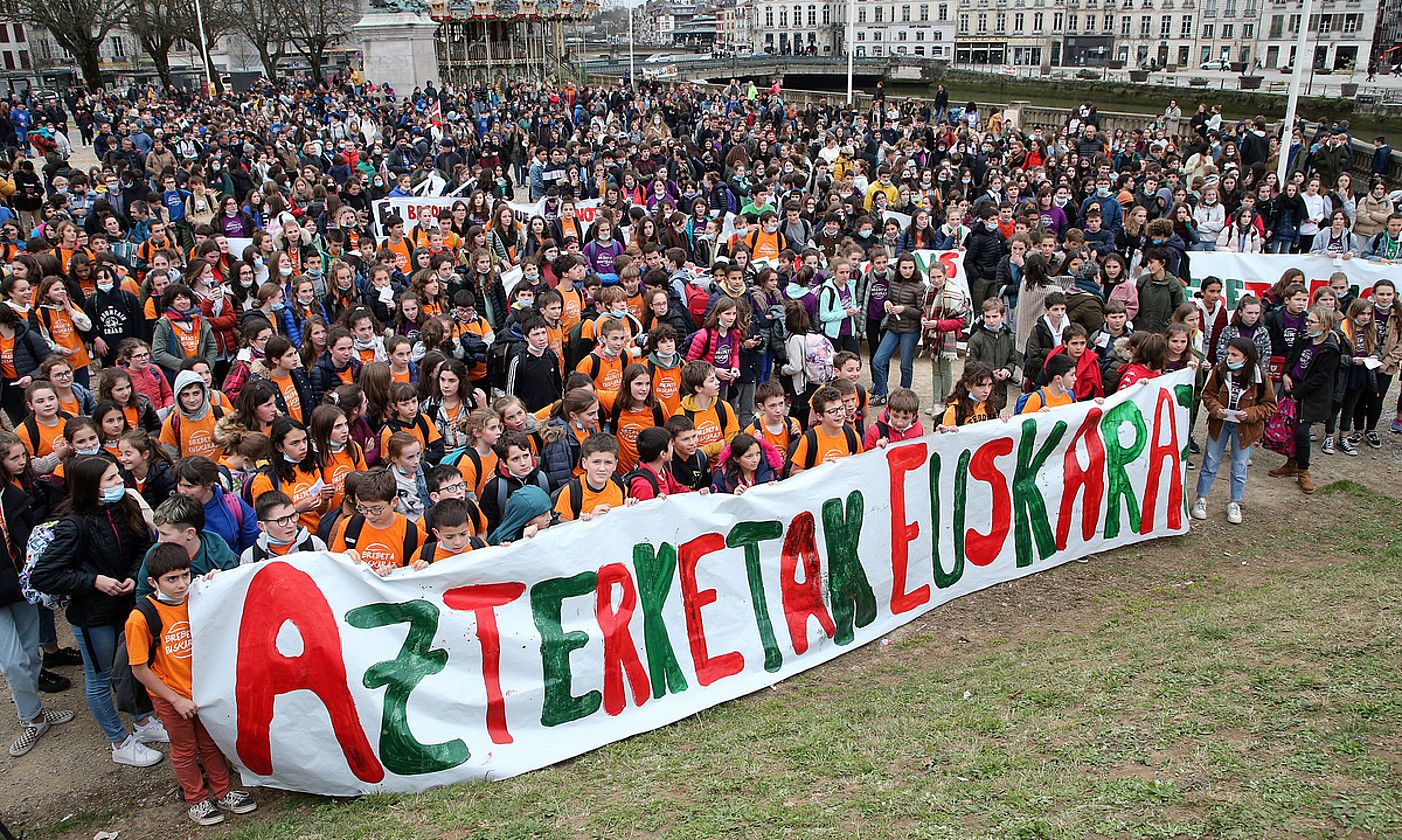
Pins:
x: 30, y: 350
x: 1314, y: 394
x: 984, y: 249
x: 84, y: 546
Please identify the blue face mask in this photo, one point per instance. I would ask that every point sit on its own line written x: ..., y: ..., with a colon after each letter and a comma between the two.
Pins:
x: 1236, y: 365
x: 112, y: 495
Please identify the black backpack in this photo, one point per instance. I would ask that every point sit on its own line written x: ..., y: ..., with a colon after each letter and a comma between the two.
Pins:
x: 646, y: 475
x: 576, y: 488
x: 131, y: 695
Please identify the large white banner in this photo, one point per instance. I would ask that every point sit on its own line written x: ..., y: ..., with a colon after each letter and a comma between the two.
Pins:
x: 1256, y: 273
x: 315, y: 675
x: 413, y: 208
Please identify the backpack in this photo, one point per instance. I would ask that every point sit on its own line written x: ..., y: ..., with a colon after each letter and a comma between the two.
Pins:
x: 576, y: 347
x: 130, y: 694
x: 246, y: 491
x: 810, y: 458
x: 697, y: 302
x: 1279, y: 435
x: 39, y: 540
x: 818, y: 354
x: 357, y: 524
x: 1022, y: 400
x: 646, y: 475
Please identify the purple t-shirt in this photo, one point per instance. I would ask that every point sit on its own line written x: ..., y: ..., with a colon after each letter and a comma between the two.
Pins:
x: 876, y: 298
x: 844, y: 294
x: 1297, y: 373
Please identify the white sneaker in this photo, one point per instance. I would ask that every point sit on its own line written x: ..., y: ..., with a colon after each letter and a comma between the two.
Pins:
x: 1199, y: 510
x: 133, y: 753
x: 152, y: 732
x: 1234, y: 513
x: 204, y: 812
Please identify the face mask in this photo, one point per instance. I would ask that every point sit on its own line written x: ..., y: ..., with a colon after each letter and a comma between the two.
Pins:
x: 305, y: 300
x: 1236, y: 365
x: 1102, y: 191
x: 1158, y: 241
x: 402, y: 471
x: 104, y: 287
x: 1059, y: 201
x: 968, y: 180
x: 991, y: 224
x: 1315, y: 334
x: 617, y: 313
x: 166, y: 599
x: 1382, y: 307
x: 272, y: 541
x: 112, y: 495
x: 278, y: 307
x: 285, y: 270
x: 88, y: 450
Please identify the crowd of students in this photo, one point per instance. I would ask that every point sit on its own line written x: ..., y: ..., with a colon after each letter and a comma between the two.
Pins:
x: 180, y: 406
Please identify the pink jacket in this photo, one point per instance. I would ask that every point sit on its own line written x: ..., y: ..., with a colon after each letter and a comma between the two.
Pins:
x: 882, y: 428
x: 154, y: 385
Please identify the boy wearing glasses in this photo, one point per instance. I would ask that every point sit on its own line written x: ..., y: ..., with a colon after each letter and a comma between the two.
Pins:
x: 831, y: 440
x: 381, y: 537
x: 279, y: 532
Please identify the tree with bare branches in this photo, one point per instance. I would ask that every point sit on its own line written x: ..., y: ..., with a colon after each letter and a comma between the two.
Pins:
x: 79, y: 26
x: 319, y: 25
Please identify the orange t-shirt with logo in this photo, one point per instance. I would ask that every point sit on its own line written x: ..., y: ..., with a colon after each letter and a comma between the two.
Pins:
x: 380, y: 548
x: 401, y: 254
x: 610, y: 494
x: 629, y: 425
x: 474, y: 478
x: 290, y: 396
x: 573, y: 306
x: 59, y: 323
x: 171, y: 664
x: 667, y: 387
x: 187, y: 337
x: 300, y: 489
x: 338, y: 466
x: 194, y: 437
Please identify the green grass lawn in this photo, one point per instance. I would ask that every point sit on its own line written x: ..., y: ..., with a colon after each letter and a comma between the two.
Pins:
x: 1260, y: 700
x: 1228, y: 707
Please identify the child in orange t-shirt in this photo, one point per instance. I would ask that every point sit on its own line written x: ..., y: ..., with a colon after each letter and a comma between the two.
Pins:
x: 831, y: 440
x: 379, y: 536
x: 160, y: 660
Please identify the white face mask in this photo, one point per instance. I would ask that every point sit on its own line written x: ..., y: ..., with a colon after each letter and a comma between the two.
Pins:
x: 285, y: 270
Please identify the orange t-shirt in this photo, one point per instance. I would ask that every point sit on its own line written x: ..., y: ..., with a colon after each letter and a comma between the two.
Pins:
x: 573, y: 306
x: 401, y: 254
x: 829, y: 448
x: 606, y: 373
x: 629, y: 425
x: 300, y: 489
x: 338, y: 466
x: 192, y: 437
x: 472, y: 475
x: 1035, y: 401
x: 715, y: 426
x: 7, y: 357
x: 399, y: 377
x: 188, y: 337
x: 171, y: 663
x: 780, y: 440
x: 610, y: 494
x: 480, y: 328
x: 667, y: 387
x: 290, y: 396
x: 47, y: 435
x: 422, y: 428
x: 59, y: 323
x: 70, y: 407
x: 380, y: 548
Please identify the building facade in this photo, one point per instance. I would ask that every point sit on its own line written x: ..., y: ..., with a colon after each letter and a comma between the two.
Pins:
x: 919, y: 28
x: 1341, y: 33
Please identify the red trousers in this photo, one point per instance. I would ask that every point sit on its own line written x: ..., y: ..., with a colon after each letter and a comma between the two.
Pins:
x: 190, y: 745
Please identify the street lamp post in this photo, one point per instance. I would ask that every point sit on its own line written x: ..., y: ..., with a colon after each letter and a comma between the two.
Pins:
x: 851, y: 44
x: 204, y: 49
x: 1301, y: 41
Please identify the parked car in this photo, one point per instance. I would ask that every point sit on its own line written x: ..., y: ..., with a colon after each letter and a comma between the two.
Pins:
x: 1216, y: 64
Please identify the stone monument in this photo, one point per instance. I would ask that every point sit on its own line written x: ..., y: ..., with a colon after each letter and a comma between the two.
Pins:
x: 397, y: 42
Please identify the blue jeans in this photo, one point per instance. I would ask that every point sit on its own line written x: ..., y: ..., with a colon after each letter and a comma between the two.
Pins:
x: 1212, y: 459
x: 881, y: 365
x: 98, y: 645
x: 20, y: 660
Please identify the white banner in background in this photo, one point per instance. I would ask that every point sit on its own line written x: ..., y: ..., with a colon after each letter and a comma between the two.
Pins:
x: 413, y: 208
x: 313, y: 674
x: 1256, y: 273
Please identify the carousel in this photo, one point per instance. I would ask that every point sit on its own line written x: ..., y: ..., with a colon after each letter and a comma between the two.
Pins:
x: 486, y: 39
